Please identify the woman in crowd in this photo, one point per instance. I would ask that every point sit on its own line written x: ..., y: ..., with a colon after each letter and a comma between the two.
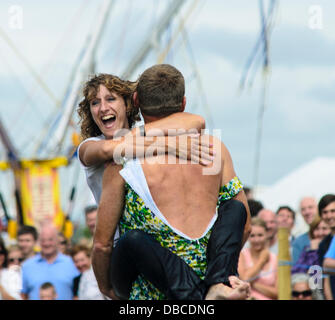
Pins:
x: 300, y: 287
x: 318, y: 230
x: 85, y: 286
x: 63, y: 244
x: 10, y: 277
x: 3, y: 265
x: 258, y: 265
x: 3, y: 254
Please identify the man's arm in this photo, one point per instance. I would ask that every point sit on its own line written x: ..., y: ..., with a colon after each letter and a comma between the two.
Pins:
x: 267, y: 290
x: 329, y: 259
x: 4, y: 294
x: 228, y: 173
x: 24, y: 296
x: 327, y: 289
x: 109, y: 212
x: 329, y: 266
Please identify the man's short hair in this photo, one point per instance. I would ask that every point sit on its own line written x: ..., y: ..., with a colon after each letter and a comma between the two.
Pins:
x: 160, y: 90
x: 254, y: 206
x: 288, y: 209
x: 47, y: 285
x: 90, y: 209
x: 247, y: 191
x: 28, y: 230
x: 325, y: 201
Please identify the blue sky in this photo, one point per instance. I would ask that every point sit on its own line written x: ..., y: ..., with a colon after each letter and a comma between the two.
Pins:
x: 298, y: 121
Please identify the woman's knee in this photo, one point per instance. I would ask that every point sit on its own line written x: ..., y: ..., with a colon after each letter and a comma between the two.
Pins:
x: 134, y: 235
x: 132, y: 239
x: 121, y: 294
x: 234, y: 207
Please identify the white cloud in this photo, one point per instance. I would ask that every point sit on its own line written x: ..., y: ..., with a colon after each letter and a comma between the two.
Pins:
x: 239, y: 16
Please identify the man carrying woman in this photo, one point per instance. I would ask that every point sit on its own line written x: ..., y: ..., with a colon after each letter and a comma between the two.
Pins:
x: 108, y: 112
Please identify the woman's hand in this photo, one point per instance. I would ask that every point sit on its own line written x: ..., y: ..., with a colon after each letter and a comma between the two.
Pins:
x: 236, y: 282
x: 264, y: 256
x: 194, y: 147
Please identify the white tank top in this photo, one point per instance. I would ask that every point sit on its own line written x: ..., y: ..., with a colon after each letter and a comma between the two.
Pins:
x: 94, y: 176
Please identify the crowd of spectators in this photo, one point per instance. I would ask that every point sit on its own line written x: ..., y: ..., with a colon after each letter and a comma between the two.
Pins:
x: 312, y: 253
x: 45, y: 265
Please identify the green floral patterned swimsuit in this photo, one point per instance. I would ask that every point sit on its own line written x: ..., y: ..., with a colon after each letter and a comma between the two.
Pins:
x: 137, y: 216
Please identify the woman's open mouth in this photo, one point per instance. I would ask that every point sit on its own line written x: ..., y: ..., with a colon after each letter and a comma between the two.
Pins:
x: 108, y: 120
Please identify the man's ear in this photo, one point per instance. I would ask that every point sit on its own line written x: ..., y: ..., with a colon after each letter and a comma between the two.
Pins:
x: 183, y: 104
x: 135, y: 99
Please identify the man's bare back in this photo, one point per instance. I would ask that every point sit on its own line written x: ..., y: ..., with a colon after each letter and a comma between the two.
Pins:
x: 186, y: 197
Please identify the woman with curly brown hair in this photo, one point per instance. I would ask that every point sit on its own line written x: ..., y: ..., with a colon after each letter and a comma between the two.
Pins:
x: 115, y: 89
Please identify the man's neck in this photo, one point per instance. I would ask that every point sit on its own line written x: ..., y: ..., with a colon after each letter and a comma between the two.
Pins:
x: 50, y: 258
x: 30, y: 254
x: 148, y: 119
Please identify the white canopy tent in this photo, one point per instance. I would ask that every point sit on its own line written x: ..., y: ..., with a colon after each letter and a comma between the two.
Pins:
x: 315, y: 178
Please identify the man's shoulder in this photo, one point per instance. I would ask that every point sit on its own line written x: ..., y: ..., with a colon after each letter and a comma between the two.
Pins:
x: 324, y: 244
x: 300, y: 240
x: 64, y: 258
x: 31, y: 262
x: 323, y: 247
x: 33, y: 259
x: 67, y: 262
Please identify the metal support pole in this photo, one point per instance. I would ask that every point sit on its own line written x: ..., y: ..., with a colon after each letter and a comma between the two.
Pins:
x: 284, y: 268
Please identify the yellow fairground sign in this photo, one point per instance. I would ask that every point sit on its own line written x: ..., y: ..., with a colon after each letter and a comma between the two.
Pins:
x: 40, y: 192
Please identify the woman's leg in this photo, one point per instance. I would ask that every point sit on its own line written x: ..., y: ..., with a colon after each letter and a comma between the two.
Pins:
x: 225, y: 242
x: 139, y: 253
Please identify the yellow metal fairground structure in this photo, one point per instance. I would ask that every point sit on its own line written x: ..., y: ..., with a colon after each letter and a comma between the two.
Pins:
x: 284, y: 268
